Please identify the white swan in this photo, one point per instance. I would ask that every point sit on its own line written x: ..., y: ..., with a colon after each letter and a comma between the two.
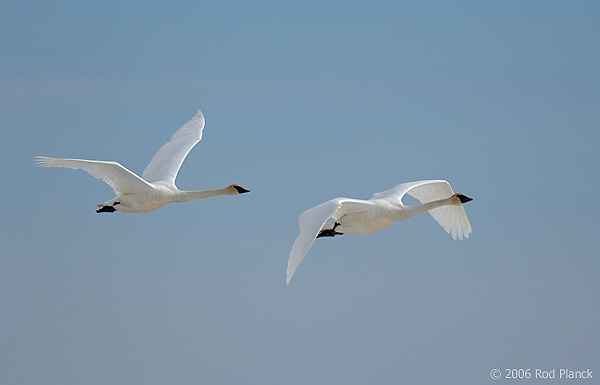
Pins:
x: 156, y: 187
x: 356, y: 216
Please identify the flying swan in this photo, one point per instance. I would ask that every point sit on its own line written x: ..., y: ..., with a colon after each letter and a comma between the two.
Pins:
x: 357, y: 216
x: 156, y: 187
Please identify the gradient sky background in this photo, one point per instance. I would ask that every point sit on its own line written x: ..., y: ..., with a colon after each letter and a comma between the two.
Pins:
x: 304, y: 101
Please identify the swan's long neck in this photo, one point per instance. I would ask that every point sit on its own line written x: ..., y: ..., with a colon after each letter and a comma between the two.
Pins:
x: 410, y: 211
x: 184, y: 196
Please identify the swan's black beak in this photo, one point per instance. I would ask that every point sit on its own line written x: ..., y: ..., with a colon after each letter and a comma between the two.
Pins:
x: 240, y: 189
x: 463, y: 198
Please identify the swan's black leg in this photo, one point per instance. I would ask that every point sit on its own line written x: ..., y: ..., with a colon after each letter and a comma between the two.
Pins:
x: 330, y: 233
x: 108, y: 209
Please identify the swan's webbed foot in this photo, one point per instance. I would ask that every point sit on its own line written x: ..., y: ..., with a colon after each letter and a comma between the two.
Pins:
x: 330, y: 232
x: 108, y: 209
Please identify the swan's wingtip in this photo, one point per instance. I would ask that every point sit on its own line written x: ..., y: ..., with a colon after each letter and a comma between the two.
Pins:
x: 289, y: 274
x: 42, y: 161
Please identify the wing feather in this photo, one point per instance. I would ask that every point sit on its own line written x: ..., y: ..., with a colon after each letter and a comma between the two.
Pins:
x: 453, y: 219
x: 167, y: 161
x: 312, y: 220
x: 116, y: 176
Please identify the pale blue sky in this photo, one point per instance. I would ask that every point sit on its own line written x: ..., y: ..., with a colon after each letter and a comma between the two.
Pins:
x: 304, y: 102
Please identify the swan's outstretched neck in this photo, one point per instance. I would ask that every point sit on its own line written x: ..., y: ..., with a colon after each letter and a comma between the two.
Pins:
x: 414, y: 210
x: 191, y: 195
x: 234, y: 189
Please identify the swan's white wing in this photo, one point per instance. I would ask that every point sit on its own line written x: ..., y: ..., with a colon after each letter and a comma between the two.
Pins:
x: 397, y: 192
x: 311, y: 222
x: 452, y: 218
x: 116, y: 176
x: 165, y: 164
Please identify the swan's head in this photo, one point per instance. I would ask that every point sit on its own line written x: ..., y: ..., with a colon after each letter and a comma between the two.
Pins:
x: 463, y: 198
x: 236, y: 189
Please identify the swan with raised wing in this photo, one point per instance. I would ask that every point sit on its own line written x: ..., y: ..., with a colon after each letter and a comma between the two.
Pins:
x: 156, y: 187
x: 356, y: 216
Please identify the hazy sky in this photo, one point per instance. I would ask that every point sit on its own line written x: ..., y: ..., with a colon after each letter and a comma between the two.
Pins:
x: 304, y: 101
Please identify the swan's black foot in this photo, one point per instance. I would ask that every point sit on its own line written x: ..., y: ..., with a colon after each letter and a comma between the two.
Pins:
x: 330, y: 233
x: 108, y: 209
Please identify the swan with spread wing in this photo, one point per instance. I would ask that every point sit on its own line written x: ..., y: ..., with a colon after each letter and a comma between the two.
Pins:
x: 156, y: 187
x: 356, y: 216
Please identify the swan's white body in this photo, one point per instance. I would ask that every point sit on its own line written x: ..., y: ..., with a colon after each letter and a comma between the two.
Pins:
x: 156, y: 187
x: 356, y: 216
